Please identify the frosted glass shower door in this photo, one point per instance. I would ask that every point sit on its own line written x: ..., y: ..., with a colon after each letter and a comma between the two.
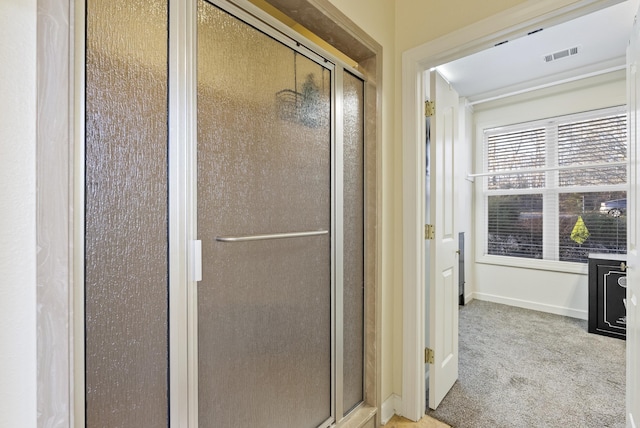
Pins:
x: 264, y: 219
x: 126, y: 219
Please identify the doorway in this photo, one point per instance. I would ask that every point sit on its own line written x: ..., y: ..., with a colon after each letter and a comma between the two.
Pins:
x: 415, y: 61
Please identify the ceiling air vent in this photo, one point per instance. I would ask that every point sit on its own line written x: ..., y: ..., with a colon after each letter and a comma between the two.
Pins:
x: 565, y: 53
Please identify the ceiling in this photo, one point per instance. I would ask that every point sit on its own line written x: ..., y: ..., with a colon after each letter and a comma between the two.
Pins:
x: 519, y: 65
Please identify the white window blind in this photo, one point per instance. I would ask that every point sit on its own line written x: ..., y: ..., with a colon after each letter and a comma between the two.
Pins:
x: 592, y: 141
x: 515, y: 225
x: 556, y: 189
x: 520, y: 149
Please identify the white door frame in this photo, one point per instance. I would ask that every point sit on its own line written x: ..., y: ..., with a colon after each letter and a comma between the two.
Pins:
x: 507, y: 25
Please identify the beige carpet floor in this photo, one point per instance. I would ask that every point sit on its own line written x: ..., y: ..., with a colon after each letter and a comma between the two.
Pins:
x: 523, y: 368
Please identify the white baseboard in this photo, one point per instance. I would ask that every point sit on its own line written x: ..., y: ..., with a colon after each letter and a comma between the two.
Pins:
x: 536, y: 306
x: 468, y: 298
x: 390, y: 407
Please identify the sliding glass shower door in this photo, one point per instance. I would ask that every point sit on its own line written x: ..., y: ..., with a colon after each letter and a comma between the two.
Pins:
x: 264, y: 219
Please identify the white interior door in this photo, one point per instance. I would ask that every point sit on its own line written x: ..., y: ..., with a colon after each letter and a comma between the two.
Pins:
x: 633, y: 257
x: 443, y: 288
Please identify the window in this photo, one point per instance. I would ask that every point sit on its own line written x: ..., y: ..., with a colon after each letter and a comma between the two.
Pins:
x: 555, y: 189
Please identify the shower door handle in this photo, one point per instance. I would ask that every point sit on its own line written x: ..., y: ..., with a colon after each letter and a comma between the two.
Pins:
x: 271, y: 236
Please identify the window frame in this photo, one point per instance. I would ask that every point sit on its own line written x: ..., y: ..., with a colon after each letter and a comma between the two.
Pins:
x: 550, y: 191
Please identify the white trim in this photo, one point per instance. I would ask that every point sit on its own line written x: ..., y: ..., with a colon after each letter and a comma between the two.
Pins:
x: 413, y: 387
x: 537, y: 264
x: 389, y: 408
x: 536, y: 306
x: 509, y: 24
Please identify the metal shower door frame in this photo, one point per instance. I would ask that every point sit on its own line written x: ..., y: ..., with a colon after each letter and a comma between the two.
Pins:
x: 184, y: 257
x: 182, y: 176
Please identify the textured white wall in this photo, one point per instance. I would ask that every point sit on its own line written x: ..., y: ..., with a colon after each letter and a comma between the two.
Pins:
x: 17, y: 213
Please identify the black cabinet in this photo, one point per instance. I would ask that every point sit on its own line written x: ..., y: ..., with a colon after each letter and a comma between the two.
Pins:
x: 607, y: 295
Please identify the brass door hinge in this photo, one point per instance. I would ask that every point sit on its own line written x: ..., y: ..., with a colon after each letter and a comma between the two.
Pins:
x: 428, y: 356
x: 429, y: 231
x: 429, y: 108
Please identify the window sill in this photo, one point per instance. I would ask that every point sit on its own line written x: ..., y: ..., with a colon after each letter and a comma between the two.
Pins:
x: 550, y: 265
